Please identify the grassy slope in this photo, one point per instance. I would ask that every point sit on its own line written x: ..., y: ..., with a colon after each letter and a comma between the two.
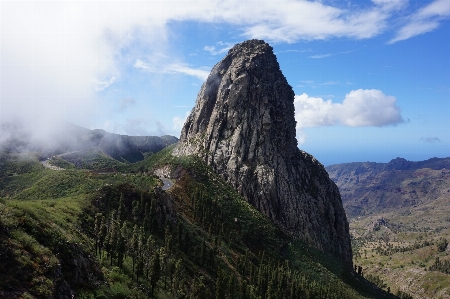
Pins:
x: 46, y: 233
x: 92, y: 159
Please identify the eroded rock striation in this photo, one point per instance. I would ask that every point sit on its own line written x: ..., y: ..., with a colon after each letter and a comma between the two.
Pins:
x: 243, y: 125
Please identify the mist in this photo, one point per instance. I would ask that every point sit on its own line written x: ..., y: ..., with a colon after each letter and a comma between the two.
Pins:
x: 56, y: 59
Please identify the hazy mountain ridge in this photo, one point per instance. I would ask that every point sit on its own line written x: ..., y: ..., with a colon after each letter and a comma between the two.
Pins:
x: 72, y: 143
x: 368, y: 187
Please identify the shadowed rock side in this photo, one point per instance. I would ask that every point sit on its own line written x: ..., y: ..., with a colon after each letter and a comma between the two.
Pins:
x: 243, y: 125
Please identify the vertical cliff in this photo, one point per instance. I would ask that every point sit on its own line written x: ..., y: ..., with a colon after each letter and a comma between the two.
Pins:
x: 243, y: 125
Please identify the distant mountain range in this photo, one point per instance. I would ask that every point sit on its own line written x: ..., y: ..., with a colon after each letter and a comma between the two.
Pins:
x: 368, y: 188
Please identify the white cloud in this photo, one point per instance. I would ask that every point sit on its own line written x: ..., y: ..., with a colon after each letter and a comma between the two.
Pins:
x: 57, y: 54
x: 360, y: 108
x: 223, y: 47
x: 102, y: 85
x: 320, y: 56
x: 390, y: 4
x: 139, y: 64
x: 200, y: 73
x: 424, y: 20
x: 178, y: 122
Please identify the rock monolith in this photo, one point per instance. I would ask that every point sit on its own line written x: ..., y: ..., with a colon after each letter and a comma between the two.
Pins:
x: 243, y: 125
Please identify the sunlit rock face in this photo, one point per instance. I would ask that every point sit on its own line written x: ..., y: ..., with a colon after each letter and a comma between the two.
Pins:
x: 243, y: 126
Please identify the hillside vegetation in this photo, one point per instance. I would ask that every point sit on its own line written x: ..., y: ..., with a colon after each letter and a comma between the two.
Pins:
x: 399, y: 219
x: 407, y: 250
x: 118, y: 235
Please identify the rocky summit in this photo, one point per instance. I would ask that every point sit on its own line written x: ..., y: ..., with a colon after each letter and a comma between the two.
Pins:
x: 243, y: 125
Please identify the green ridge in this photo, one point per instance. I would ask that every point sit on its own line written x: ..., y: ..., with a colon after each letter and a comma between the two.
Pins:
x: 118, y: 235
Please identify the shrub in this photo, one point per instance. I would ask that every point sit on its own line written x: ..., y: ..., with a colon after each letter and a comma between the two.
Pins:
x: 442, y: 244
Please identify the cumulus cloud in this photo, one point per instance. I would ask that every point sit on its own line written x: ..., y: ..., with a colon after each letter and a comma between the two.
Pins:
x: 360, y: 108
x: 424, y: 20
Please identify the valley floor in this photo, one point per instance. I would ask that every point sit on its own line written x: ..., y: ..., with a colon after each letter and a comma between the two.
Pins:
x: 406, y: 250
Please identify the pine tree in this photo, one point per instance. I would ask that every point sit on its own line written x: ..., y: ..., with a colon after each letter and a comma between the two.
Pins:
x: 102, y: 235
x: 135, y: 210
x: 139, y: 268
x: 156, y: 271
x: 152, y: 216
x: 168, y: 240
x: 110, y: 238
x: 179, y: 237
x: 163, y: 263
x: 97, y: 231
x: 147, y: 217
x: 113, y: 239
x: 142, y: 203
x: 121, y: 210
x: 231, y: 287
x: 177, y: 281
x: 133, y: 246
x: 171, y: 270
x: 220, y: 285
x: 150, y: 247
x: 203, y: 253
x: 121, y: 243
x: 243, y: 289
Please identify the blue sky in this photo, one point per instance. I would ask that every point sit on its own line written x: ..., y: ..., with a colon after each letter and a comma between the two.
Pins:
x: 371, y: 78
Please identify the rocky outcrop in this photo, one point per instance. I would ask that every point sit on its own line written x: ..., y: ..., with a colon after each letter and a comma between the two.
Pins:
x: 243, y: 126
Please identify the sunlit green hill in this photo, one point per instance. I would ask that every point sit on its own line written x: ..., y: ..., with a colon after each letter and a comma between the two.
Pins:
x: 119, y: 235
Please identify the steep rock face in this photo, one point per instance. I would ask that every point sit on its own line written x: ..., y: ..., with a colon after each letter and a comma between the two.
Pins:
x: 243, y: 125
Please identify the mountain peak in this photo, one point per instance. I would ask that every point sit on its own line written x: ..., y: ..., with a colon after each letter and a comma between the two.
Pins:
x: 398, y: 160
x: 243, y: 125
